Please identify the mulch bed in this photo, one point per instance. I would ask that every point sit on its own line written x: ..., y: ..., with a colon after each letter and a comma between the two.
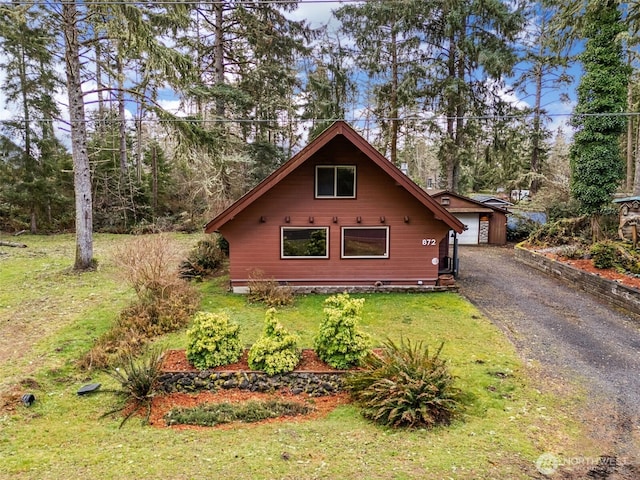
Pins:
x: 176, y: 361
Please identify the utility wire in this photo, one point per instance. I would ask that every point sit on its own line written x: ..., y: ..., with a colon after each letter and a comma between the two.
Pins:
x: 348, y: 120
x: 186, y: 2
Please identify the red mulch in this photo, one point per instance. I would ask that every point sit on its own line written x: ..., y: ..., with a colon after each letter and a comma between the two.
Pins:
x: 608, y: 273
x: 176, y: 361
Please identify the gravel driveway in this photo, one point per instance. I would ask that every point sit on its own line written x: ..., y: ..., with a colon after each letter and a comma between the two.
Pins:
x: 571, y: 334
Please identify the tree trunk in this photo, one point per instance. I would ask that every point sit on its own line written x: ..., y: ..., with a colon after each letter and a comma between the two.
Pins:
x: 636, y: 177
x: 537, y: 134
x: 81, y: 170
x: 630, y: 160
x: 122, y: 121
x: 393, y: 141
x: 219, y: 55
x: 154, y: 176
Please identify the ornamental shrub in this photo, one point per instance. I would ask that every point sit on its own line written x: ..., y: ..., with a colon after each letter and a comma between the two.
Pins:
x: 405, y: 386
x: 276, y: 351
x: 339, y: 342
x: 603, y: 254
x: 204, y: 260
x: 213, y: 340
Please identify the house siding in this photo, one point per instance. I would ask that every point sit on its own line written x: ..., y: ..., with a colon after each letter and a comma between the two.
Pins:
x: 254, y: 235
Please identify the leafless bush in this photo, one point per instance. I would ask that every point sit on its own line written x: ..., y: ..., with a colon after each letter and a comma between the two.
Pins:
x: 165, y: 302
x: 150, y: 265
x: 268, y: 291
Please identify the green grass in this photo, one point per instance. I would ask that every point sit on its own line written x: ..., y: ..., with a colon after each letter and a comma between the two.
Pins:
x: 54, y: 316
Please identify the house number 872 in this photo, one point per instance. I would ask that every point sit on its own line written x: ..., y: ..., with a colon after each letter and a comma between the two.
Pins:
x: 428, y: 242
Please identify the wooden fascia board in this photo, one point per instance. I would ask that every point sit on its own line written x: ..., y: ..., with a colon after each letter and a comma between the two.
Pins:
x: 338, y: 128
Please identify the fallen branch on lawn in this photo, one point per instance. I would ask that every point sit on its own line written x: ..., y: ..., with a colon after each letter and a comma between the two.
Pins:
x: 12, y: 244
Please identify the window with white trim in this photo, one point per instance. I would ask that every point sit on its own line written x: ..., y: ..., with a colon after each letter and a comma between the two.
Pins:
x: 365, y: 242
x: 335, y: 181
x: 304, y: 242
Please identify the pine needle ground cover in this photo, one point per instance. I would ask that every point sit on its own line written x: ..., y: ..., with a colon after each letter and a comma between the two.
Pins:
x: 49, y: 318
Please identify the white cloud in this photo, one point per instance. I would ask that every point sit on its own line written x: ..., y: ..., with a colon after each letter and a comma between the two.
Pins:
x: 316, y: 14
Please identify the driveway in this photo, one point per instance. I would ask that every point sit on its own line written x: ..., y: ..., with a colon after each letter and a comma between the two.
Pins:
x: 571, y: 334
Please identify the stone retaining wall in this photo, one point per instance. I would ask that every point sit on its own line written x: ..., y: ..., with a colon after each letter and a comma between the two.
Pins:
x: 609, y: 291
x: 314, y: 384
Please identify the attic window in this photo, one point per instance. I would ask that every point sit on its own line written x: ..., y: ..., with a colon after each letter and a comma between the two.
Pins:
x: 445, y: 201
x: 300, y: 242
x: 335, y: 181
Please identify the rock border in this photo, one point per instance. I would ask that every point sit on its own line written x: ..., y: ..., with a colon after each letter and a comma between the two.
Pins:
x: 611, y: 292
x: 309, y: 383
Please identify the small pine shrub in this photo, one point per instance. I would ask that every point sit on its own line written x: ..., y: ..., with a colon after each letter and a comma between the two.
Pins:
x: 213, y: 340
x: 405, y: 387
x: 339, y: 342
x: 276, y: 351
x: 268, y: 291
x: 603, y: 254
x: 203, y: 261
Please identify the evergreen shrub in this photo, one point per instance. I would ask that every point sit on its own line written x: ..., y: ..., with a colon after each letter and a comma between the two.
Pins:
x: 203, y: 261
x: 603, y: 254
x: 213, y: 340
x: 405, y: 386
x: 339, y: 342
x: 276, y: 351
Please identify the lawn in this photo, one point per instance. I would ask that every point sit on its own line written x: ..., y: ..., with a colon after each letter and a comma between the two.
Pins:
x: 49, y: 318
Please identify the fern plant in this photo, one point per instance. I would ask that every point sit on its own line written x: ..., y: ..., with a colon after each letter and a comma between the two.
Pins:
x: 339, y: 341
x: 276, y: 351
x: 405, y: 386
x: 213, y: 340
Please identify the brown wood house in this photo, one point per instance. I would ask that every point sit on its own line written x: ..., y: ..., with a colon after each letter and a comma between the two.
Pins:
x: 337, y: 214
x: 485, y: 224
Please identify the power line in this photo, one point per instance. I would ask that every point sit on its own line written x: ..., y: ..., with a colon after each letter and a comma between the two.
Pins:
x: 194, y: 2
x: 348, y: 120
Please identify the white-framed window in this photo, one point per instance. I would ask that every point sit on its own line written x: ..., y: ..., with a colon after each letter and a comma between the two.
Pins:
x: 365, y: 242
x: 335, y: 181
x: 304, y: 242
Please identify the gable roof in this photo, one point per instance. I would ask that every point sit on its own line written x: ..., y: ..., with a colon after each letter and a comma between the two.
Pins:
x: 482, y: 198
x: 336, y: 129
x: 476, y: 206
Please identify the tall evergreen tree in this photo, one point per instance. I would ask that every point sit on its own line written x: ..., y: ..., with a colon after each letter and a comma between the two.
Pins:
x: 389, y: 48
x: 473, y: 49
x: 329, y: 87
x: 29, y: 86
x: 596, y: 162
x: 545, y: 63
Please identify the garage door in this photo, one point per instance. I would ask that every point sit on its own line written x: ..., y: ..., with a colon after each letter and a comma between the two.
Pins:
x: 472, y: 222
